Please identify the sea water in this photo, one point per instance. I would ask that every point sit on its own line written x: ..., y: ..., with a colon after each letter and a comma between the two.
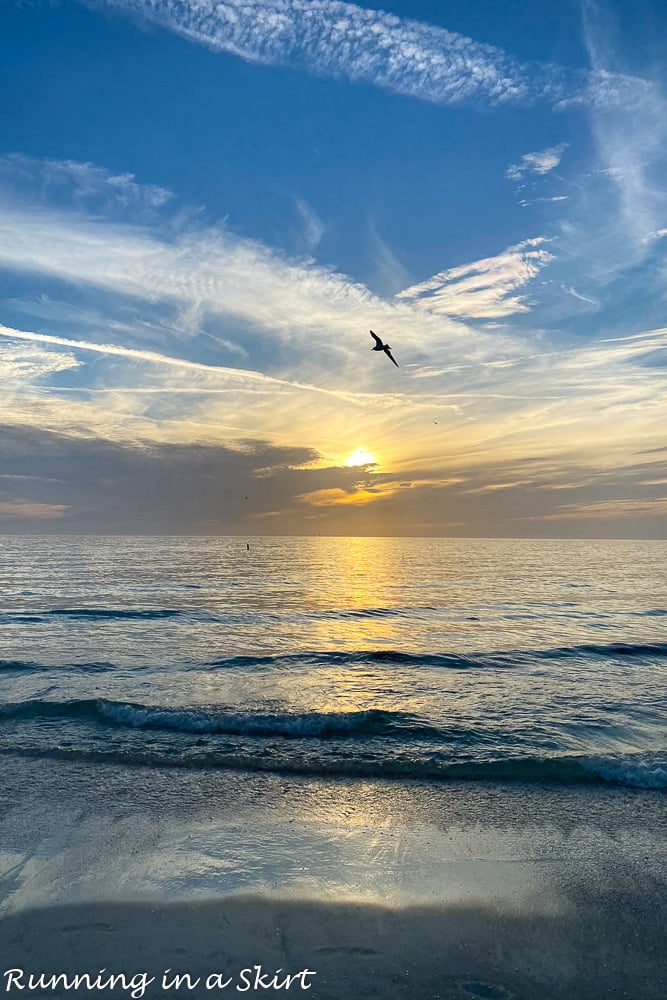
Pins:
x: 419, y: 767
x: 385, y: 658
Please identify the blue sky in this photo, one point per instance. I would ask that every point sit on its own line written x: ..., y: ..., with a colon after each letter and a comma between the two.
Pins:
x: 205, y: 207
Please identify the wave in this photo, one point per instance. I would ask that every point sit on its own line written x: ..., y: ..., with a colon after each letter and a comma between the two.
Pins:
x: 202, y: 615
x: 21, y: 665
x: 31, y: 665
x: 642, y: 771
x: 372, y: 744
x: 327, y: 658
x: 395, y: 611
x: 610, y: 649
x: 447, y: 661
x: 95, y: 614
x: 505, y: 660
x: 399, y: 732
x: 209, y: 721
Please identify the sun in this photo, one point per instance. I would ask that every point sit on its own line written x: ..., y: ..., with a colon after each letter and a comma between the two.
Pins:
x: 361, y: 457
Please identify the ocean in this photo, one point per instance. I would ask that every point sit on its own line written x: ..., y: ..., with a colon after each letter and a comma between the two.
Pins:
x: 432, y: 659
x: 426, y: 769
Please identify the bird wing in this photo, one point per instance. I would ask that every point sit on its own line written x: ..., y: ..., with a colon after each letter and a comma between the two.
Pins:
x: 376, y: 339
x: 391, y: 357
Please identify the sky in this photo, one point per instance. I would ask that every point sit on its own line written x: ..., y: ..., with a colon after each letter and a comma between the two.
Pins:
x: 206, y: 206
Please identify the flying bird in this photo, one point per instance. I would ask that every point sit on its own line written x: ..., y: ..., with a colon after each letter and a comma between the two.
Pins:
x: 379, y: 346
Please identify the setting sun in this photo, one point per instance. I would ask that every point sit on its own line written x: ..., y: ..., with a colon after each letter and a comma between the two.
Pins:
x: 361, y: 457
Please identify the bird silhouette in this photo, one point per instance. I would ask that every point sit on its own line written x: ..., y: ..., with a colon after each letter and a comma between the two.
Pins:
x: 379, y: 346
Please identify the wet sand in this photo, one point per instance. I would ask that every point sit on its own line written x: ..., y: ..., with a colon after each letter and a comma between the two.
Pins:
x: 336, y: 950
x: 427, y: 892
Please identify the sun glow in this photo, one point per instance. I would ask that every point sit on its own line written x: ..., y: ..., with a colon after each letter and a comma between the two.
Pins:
x: 361, y: 457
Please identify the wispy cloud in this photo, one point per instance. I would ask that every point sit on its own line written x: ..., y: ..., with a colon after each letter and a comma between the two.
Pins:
x: 580, y: 298
x: 33, y: 364
x: 20, y: 363
x: 609, y: 214
x: 526, y: 202
x: 81, y: 184
x: 606, y: 509
x: 313, y: 229
x: 537, y: 163
x: 269, y: 304
x: 631, y: 136
x: 389, y: 273
x: 603, y: 220
x: 606, y: 228
x: 345, y: 41
x: 485, y: 288
x: 213, y: 270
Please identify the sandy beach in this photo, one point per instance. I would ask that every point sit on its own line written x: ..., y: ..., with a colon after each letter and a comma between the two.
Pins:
x: 375, y: 889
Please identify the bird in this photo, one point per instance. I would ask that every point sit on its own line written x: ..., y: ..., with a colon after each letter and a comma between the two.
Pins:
x: 379, y: 346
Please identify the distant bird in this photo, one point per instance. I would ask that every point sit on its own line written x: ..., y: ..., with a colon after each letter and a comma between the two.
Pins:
x: 379, y: 346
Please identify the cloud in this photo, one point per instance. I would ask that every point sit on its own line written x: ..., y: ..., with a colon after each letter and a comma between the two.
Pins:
x: 91, y: 484
x: 20, y: 363
x: 143, y: 397
x: 581, y: 298
x: 313, y: 229
x: 329, y: 38
x: 213, y: 270
x: 493, y: 487
x: 141, y: 408
x: 336, y: 496
x: 388, y: 271
x: 537, y: 163
x: 527, y: 202
x: 344, y: 41
x: 606, y: 509
x: 483, y: 289
x: 603, y: 232
x: 357, y: 494
x: 631, y: 135
x: 194, y: 282
x: 26, y: 510
x: 82, y: 184
x: 374, y: 488
x: 605, y: 236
